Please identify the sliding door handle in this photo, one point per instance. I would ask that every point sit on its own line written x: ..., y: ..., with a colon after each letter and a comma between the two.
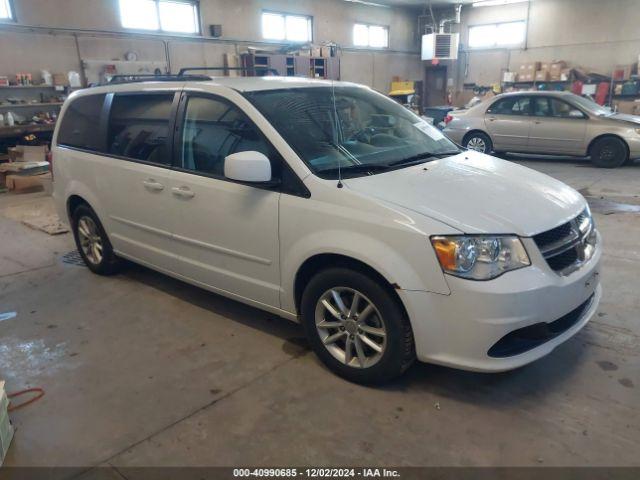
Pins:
x: 183, y: 192
x: 152, y: 185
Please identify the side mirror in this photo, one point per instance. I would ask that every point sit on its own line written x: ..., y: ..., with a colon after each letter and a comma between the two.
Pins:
x: 576, y: 114
x: 252, y: 167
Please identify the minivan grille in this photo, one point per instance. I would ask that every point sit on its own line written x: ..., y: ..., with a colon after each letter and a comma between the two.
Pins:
x: 563, y: 246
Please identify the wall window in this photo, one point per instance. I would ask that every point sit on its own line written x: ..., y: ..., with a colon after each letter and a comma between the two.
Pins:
x: 177, y: 16
x: 139, y: 127
x: 280, y: 26
x: 497, y: 35
x: 5, y: 10
x: 373, y: 36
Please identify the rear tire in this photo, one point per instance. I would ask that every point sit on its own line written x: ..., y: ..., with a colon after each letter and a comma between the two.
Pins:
x: 479, y: 142
x: 609, y: 152
x: 93, y: 243
x: 376, y: 333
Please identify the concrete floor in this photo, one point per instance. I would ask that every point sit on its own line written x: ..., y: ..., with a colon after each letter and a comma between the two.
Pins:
x: 142, y: 370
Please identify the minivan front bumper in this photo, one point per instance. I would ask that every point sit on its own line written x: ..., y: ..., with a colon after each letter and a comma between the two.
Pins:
x: 535, y: 308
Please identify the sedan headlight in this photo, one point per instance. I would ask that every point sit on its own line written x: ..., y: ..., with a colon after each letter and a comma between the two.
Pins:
x: 480, y: 257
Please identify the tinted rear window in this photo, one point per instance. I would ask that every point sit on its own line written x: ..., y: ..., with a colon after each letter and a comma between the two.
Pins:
x: 80, y: 125
x: 139, y: 127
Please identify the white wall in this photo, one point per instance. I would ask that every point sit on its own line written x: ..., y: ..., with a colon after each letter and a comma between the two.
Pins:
x: 101, y: 37
x: 595, y: 34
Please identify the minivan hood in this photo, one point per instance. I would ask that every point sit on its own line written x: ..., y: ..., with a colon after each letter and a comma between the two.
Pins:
x: 476, y: 193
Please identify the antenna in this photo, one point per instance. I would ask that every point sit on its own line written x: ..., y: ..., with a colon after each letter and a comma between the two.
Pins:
x: 338, y: 127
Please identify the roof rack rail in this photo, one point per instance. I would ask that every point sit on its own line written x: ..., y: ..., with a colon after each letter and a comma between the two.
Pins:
x: 270, y: 71
x: 118, y: 79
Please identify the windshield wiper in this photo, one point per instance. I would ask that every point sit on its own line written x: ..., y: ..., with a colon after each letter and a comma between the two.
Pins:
x: 366, y: 167
x: 421, y: 158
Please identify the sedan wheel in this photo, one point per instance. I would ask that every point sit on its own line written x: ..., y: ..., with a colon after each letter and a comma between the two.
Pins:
x: 478, y: 142
x: 609, y: 152
x: 350, y: 327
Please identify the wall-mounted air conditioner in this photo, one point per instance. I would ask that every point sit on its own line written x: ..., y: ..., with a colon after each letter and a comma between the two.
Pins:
x: 441, y: 46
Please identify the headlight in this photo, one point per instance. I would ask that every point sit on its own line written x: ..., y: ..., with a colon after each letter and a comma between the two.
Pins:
x: 480, y: 257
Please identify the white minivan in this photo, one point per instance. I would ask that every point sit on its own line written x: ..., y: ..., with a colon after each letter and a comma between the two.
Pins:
x: 329, y: 204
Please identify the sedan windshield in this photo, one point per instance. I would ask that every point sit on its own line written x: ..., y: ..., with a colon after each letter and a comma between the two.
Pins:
x: 350, y: 131
x: 592, y: 106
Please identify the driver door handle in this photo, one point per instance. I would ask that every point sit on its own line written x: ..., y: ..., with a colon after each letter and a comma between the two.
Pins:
x: 492, y: 119
x: 152, y: 185
x: 183, y: 192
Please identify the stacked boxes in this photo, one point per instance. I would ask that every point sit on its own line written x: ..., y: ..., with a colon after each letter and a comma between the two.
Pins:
x: 527, y: 71
x: 555, y: 71
x: 6, y: 430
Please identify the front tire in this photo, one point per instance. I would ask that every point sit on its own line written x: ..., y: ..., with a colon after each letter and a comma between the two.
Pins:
x: 93, y: 243
x: 609, y: 152
x: 356, y: 327
x: 479, y: 142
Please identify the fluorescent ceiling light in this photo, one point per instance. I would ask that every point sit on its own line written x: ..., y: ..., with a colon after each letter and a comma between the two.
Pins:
x: 493, y: 3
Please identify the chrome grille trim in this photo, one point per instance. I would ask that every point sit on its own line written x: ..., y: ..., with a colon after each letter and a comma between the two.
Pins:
x: 572, y: 245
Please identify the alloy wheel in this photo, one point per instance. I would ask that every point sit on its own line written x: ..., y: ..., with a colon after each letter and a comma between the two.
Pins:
x: 351, y: 327
x: 477, y: 144
x: 90, y: 240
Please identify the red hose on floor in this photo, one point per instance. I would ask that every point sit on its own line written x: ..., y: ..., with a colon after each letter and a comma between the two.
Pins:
x: 12, y: 407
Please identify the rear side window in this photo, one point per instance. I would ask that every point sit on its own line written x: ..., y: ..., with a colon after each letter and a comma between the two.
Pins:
x: 80, y: 125
x: 511, y: 106
x: 139, y: 127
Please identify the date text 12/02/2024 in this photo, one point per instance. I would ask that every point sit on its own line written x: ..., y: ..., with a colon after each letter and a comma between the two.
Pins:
x: 316, y: 473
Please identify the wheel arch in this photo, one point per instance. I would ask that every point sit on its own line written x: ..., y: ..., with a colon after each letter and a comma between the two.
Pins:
x: 73, y: 202
x: 322, y: 261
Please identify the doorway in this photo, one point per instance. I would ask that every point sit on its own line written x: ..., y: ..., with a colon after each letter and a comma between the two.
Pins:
x: 435, y: 86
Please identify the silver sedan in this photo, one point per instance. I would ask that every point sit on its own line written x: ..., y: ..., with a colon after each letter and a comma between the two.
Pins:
x: 550, y: 123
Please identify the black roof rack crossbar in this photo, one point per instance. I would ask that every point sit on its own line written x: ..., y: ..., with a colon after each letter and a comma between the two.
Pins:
x: 118, y: 79
x: 272, y: 71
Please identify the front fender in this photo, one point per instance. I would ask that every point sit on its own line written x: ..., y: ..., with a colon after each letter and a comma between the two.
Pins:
x: 384, y: 238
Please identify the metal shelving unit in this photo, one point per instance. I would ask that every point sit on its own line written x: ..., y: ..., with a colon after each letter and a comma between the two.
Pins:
x: 30, y: 105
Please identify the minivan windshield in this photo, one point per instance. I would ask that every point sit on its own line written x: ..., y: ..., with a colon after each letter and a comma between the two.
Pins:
x: 350, y: 131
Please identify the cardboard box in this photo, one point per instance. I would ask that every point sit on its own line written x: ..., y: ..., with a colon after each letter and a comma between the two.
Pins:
x: 630, y: 107
x: 509, y: 77
x: 565, y: 75
x: 325, y: 52
x: 25, y: 153
x: 556, y: 68
x: 18, y: 183
x: 542, y: 76
x: 316, y: 51
x: 530, y: 67
x: 545, y: 67
x: 526, y: 77
x: 60, y: 80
